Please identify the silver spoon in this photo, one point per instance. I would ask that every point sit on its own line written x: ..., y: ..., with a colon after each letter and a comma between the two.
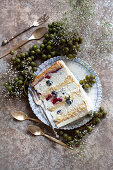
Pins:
x: 36, y: 35
x: 35, y: 130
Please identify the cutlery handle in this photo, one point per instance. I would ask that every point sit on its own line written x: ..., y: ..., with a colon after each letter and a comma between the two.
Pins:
x: 57, y: 141
x: 19, y: 45
x: 16, y: 35
x: 57, y: 136
x: 35, y: 120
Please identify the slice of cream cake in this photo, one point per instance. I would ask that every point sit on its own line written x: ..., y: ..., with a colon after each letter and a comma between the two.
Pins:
x: 62, y: 94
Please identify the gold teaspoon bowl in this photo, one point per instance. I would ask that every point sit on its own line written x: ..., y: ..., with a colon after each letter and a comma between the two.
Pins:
x: 35, y: 130
x: 18, y: 115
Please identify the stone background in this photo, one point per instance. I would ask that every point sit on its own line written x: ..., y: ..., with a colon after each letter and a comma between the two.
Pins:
x: 18, y: 149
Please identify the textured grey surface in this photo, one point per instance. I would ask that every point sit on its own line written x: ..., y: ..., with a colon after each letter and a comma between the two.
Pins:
x: 20, y: 150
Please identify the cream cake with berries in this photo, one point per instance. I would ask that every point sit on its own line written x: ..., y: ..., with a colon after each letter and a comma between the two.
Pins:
x: 62, y: 94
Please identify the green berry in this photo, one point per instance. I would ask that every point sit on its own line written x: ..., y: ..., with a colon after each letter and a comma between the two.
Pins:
x: 77, y: 45
x: 49, y: 56
x: 44, y: 41
x: 87, y: 77
x: 70, y: 43
x: 16, y: 79
x: 101, y: 109
x: 6, y: 84
x: 77, y: 132
x: 49, y: 43
x: 20, y: 82
x: 38, y: 51
x: 95, y: 114
x: 53, y: 53
x: 77, y: 39
x: 32, y: 52
x: 44, y: 56
x: 66, y: 50
x: 65, y: 135
x: 34, y: 68
x: 22, y: 62
x: 81, y: 82
x: 46, y: 36
x: 63, y: 41
x: 9, y: 82
x: 12, y: 52
x: 53, y: 29
x: 50, y: 25
x: 26, y: 54
x: 104, y: 113
x: 17, y: 60
x: 100, y: 115
x: 92, y: 76
x: 89, y: 128
x: 69, y: 138
x: 29, y: 59
x: 80, y: 40
x: 32, y: 57
x: 61, y: 133
x: 33, y: 64
x: 97, y: 120
x: 9, y: 88
x: 34, y: 47
x: 21, y: 78
x: 18, y: 56
x: 93, y: 81
x: 51, y: 36
x: 80, y: 135
x: 50, y: 30
x: 74, y: 48
x: 70, y: 56
x: 84, y: 81
x: 49, y: 47
x: 22, y: 55
x: 42, y: 45
x: 86, y: 86
x: 12, y: 58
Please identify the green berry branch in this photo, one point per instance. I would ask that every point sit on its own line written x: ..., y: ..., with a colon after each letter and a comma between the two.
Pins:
x: 88, y: 81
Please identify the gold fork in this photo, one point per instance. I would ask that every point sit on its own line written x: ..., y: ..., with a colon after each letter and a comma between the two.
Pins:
x: 37, y: 23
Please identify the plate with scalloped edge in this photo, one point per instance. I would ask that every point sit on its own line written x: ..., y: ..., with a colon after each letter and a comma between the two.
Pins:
x: 80, y: 69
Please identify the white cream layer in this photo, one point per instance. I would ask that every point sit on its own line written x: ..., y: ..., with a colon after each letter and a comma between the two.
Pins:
x: 56, y: 79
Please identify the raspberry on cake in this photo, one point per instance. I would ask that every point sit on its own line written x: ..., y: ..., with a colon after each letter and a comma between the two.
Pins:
x: 62, y: 94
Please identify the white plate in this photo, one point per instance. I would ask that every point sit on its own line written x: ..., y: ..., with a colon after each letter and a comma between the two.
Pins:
x: 80, y: 69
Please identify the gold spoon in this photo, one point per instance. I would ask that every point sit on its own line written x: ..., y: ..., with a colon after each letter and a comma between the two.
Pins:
x: 36, y: 35
x: 35, y: 130
x: 18, y: 115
